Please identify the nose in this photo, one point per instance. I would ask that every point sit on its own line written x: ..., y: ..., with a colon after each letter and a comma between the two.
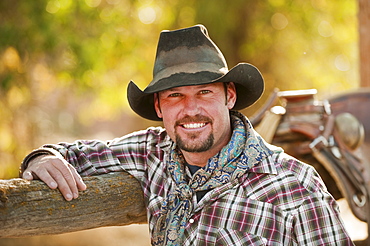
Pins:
x: 191, y: 106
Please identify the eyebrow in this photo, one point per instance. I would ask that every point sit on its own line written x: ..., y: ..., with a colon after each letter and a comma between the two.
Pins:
x: 198, y: 86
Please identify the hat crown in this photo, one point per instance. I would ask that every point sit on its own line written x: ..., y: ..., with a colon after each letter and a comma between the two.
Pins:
x: 188, y: 51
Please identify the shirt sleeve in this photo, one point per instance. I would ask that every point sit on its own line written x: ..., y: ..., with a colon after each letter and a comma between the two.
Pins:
x: 318, y: 221
x: 93, y: 157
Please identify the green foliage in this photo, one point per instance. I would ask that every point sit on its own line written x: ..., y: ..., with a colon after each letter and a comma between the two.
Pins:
x: 65, y: 65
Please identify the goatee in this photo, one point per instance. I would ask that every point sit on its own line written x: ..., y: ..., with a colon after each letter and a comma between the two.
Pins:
x: 193, y: 145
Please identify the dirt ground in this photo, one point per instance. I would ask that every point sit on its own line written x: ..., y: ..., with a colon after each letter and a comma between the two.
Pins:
x: 137, y: 235
x: 133, y: 235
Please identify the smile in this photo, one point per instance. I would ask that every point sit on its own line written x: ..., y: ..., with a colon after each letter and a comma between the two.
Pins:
x: 193, y: 125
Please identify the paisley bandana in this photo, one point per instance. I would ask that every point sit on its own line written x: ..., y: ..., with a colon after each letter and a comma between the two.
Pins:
x: 229, y: 164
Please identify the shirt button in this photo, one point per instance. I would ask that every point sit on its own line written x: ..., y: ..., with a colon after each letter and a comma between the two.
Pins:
x: 191, y: 221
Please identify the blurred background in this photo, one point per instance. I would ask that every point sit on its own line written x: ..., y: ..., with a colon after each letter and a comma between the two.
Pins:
x: 65, y: 65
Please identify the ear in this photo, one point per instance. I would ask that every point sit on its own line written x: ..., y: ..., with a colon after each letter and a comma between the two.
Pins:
x: 231, y: 95
x: 157, y: 105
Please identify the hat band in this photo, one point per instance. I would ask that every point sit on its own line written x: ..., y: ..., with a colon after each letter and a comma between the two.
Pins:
x: 193, y: 67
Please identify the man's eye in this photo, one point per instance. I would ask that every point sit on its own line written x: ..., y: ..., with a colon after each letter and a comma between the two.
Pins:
x: 205, y: 91
x: 174, y: 95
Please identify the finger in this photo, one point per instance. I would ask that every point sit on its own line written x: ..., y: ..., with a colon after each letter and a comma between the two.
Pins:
x: 64, y: 178
x: 45, y: 176
x: 80, y: 183
x: 27, y: 175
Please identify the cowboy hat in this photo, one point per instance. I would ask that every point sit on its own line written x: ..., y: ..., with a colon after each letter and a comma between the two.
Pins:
x: 189, y: 57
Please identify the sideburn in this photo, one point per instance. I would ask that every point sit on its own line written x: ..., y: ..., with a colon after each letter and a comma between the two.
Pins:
x: 159, y: 103
x: 226, y: 86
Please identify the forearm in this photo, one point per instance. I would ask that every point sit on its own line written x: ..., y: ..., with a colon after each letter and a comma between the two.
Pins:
x: 87, y: 157
x: 62, y: 165
x: 129, y: 153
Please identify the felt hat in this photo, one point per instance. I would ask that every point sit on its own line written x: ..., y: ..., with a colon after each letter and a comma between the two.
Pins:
x: 189, y: 57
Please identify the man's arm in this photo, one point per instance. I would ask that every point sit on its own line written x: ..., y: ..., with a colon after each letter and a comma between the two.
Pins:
x: 58, y: 165
x: 318, y: 222
x: 62, y: 165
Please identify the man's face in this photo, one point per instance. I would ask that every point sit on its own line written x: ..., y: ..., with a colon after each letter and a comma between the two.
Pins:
x: 197, y: 117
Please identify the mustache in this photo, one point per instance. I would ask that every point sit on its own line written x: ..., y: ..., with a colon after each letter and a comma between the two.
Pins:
x: 191, y: 119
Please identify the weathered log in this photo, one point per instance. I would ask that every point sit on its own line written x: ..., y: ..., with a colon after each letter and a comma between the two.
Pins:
x: 29, y: 208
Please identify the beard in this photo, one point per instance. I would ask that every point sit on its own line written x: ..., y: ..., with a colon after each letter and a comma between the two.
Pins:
x: 194, y: 145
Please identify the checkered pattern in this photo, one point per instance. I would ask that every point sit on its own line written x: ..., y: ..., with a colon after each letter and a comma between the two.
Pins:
x: 280, y: 201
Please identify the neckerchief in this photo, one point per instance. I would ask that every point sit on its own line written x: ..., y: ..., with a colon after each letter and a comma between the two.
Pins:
x: 229, y: 164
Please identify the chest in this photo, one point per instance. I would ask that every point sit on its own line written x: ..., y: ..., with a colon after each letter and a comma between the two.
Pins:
x: 231, y: 213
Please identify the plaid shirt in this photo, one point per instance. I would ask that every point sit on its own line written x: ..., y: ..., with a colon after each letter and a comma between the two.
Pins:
x: 280, y: 201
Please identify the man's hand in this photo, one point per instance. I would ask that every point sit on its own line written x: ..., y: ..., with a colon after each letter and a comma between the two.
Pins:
x: 56, y: 173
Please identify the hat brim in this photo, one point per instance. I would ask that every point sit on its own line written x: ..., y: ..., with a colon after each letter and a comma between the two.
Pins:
x: 246, y: 77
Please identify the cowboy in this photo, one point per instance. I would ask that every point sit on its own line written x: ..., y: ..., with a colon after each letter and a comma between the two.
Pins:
x: 208, y: 177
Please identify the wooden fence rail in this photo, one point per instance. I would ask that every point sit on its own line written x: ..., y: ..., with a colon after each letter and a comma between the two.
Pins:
x: 29, y: 208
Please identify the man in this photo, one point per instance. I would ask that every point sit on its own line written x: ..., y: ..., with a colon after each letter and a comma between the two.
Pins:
x: 208, y: 178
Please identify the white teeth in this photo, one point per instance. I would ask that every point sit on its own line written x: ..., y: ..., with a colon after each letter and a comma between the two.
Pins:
x: 194, y: 125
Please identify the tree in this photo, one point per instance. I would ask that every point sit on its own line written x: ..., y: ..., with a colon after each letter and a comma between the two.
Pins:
x: 65, y: 64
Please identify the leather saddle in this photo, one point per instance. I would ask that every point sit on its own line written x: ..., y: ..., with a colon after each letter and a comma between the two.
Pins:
x: 333, y: 143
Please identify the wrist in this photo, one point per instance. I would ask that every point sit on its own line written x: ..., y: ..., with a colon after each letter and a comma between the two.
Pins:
x: 33, y: 155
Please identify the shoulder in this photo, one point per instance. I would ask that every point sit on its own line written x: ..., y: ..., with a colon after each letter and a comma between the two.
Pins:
x: 283, y: 180
x: 304, y: 173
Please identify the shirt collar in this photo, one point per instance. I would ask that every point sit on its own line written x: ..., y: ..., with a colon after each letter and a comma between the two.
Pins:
x: 258, y: 153
x: 166, y: 144
x: 266, y: 167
